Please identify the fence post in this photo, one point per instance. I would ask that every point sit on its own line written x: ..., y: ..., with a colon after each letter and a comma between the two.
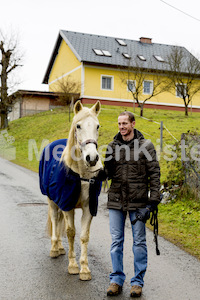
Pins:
x: 184, y: 164
x: 161, y: 136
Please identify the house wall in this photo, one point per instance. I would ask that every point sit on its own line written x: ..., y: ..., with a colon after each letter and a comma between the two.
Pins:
x: 31, y: 105
x: 65, y: 64
x: 92, y: 88
x: 15, y: 113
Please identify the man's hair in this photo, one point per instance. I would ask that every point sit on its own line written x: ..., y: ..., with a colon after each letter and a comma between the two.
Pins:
x: 130, y: 115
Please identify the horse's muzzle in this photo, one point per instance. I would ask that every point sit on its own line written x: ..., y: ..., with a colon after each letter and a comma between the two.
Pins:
x: 92, y: 162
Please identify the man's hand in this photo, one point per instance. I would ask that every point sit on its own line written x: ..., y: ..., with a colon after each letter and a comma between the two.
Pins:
x: 143, y: 214
x: 152, y: 206
x: 101, y: 175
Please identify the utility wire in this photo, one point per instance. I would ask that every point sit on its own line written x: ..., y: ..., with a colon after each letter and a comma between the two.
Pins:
x: 180, y: 11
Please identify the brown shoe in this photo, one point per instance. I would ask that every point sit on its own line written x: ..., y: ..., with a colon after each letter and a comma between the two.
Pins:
x: 114, y: 289
x: 136, y: 291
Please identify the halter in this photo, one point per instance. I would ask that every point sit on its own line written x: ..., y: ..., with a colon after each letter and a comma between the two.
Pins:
x: 82, y: 144
x: 89, y: 141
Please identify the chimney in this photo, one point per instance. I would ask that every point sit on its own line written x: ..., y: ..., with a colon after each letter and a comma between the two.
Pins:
x: 145, y: 40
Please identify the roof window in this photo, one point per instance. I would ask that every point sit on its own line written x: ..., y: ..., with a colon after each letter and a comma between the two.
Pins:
x: 102, y: 52
x: 141, y: 57
x: 126, y: 55
x: 121, y: 42
x: 98, y: 52
x: 159, y: 58
x: 106, y: 53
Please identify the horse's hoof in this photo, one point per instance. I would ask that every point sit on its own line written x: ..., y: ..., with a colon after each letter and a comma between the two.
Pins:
x: 85, y: 276
x: 54, y: 253
x: 73, y: 270
x: 62, y: 251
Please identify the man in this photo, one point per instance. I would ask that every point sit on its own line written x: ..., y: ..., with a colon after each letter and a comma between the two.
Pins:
x: 132, y: 166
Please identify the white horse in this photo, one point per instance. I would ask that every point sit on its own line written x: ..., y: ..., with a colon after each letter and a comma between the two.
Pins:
x: 81, y: 156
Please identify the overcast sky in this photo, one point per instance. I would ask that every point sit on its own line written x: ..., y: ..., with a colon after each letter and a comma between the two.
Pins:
x: 38, y: 23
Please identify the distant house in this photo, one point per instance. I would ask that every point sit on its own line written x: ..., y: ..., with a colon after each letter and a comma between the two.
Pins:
x: 31, y: 102
x: 96, y: 63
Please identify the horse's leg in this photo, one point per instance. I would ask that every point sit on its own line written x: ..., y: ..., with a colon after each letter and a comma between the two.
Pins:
x: 55, y: 218
x: 60, y: 231
x: 86, y: 219
x: 52, y: 219
x: 69, y: 220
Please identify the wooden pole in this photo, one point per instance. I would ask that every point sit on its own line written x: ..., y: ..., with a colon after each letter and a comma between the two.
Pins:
x: 161, y: 136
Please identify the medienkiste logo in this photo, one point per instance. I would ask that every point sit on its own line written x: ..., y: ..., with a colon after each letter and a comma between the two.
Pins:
x: 7, y: 150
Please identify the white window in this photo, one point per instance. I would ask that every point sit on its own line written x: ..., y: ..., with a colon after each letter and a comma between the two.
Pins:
x: 107, y: 82
x: 131, y: 85
x: 159, y: 58
x: 98, y: 52
x: 141, y: 57
x: 126, y: 55
x: 106, y: 53
x: 102, y: 52
x: 121, y: 42
x: 181, y: 89
x: 147, y: 87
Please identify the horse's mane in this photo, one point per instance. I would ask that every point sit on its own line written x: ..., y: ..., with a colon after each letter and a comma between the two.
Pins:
x: 82, y: 114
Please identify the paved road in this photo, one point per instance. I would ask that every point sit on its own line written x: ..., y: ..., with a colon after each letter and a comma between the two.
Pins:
x: 28, y: 273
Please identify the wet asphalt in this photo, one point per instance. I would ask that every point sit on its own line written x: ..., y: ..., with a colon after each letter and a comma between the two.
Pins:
x: 28, y: 273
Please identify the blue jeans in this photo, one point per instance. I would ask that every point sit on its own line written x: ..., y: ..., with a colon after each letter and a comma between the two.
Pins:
x: 117, y: 224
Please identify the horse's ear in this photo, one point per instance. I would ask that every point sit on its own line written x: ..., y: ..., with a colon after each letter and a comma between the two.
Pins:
x: 96, y: 108
x: 77, y: 107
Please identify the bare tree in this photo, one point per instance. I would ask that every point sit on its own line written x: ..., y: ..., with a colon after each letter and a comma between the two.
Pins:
x: 10, y: 59
x: 66, y: 87
x: 184, y: 75
x: 135, y: 79
x: 68, y: 90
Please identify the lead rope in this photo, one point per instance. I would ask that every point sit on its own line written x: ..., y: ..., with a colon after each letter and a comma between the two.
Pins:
x: 154, y: 223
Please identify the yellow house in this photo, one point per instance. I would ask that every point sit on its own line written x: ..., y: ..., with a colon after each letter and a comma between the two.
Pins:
x: 106, y: 69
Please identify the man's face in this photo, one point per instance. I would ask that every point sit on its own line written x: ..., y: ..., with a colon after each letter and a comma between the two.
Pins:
x: 125, y: 126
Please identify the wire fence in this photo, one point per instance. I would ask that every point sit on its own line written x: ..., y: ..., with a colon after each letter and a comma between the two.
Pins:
x: 190, y: 144
x: 191, y: 163
x: 162, y: 126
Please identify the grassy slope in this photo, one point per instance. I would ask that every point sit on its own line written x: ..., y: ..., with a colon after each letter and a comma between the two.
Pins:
x: 178, y: 220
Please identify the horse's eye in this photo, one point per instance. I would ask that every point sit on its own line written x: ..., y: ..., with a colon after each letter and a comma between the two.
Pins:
x: 97, y: 127
x: 78, y: 126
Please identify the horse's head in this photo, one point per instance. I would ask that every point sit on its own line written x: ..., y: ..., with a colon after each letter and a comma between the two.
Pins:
x: 86, y: 126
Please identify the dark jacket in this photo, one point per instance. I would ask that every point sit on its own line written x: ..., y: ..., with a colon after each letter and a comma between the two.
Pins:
x: 134, y: 170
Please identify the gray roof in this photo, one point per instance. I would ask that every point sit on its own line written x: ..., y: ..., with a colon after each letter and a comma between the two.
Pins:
x: 83, y: 46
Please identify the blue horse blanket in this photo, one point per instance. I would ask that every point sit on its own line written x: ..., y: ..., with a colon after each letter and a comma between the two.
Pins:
x: 60, y: 183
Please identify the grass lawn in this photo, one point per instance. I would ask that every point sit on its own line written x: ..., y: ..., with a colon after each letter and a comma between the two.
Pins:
x: 178, y: 220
